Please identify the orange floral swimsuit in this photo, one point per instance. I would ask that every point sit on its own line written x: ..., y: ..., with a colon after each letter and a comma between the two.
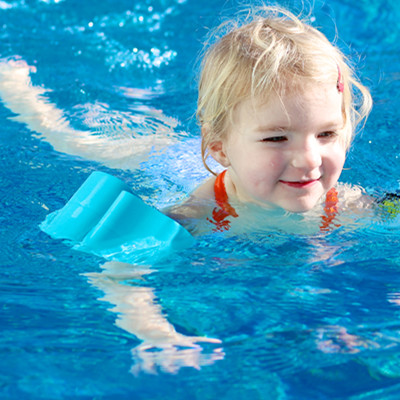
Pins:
x: 225, y: 210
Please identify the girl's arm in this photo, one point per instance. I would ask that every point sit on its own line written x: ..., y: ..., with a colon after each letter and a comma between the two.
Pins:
x: 140, y: 314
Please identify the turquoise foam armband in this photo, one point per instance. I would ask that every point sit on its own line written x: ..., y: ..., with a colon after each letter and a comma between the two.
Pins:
x: 105, y: 218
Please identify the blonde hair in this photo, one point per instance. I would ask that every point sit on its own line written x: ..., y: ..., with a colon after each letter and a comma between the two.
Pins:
x: 269, y: 49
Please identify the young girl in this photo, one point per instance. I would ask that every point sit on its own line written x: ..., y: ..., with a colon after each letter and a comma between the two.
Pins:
x: 278, y: 107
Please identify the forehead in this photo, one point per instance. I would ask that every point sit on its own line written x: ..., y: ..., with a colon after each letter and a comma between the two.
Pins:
x: 310, y: 106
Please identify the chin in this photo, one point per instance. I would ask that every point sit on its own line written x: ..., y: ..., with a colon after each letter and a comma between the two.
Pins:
x: 299, y: 208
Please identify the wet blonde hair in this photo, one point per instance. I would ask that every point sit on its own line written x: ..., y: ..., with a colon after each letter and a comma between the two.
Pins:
x: 272, y: 51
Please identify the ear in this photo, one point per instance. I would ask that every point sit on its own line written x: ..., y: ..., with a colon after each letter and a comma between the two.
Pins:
x: 218, y: 153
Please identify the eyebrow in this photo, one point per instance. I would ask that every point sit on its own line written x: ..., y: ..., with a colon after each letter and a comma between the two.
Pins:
x: 278, y: 128
x: 282, y: 128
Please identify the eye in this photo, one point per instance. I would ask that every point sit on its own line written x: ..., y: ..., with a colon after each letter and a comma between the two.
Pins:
x: 328, y: 135
x: 275, y: 139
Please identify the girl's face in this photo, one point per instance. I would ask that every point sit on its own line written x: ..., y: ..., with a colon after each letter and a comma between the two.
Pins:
x: 287, y: 152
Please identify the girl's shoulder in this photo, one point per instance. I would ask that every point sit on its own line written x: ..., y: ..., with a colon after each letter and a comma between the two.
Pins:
x: 205, y: 191
x: 356, y: 205
x: 197, y: 205
x: 353, y: 198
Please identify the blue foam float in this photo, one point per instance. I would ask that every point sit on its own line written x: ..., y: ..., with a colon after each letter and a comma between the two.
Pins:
x: 105, y: 218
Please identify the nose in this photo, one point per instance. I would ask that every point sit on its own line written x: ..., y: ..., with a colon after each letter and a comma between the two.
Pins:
x: 307, y: 155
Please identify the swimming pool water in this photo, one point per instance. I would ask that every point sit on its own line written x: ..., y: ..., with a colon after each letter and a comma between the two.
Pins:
x: 111, y: 86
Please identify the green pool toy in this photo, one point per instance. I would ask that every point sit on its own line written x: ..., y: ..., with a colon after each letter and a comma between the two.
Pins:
x: 390, y: 205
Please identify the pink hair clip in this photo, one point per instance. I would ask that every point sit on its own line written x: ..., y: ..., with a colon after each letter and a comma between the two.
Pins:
x: 340, y: 84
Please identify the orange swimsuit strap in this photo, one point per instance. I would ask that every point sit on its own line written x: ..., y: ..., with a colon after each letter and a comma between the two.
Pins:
x: 225, y: 210
x: 331, y: 210
x: 221, y: 196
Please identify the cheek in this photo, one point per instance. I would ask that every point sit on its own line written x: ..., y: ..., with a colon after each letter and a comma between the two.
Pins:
x: 266, y: 169
x: 266, y: 164
x: 340, y: 157
x: 276, y: 161
x: 255, y: 165
x: 336, y: 159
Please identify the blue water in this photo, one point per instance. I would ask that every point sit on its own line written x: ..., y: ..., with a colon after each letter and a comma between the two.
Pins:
x: 110, y: 85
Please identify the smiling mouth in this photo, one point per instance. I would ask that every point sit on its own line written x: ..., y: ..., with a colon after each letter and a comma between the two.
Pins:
x: 300, y: 184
